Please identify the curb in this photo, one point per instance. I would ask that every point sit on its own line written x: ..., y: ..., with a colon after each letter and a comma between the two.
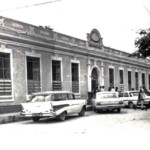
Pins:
x: 14, y: 117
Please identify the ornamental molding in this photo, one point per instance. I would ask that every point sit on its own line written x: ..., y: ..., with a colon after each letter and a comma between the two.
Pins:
x: 94, y: 39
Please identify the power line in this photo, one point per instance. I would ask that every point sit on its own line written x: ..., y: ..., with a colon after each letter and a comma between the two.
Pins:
x: 147, y: 9
x: 27, y: 6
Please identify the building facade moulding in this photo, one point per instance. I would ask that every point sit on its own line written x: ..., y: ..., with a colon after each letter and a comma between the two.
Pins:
x: 80, y: 52
x: 94, y: 39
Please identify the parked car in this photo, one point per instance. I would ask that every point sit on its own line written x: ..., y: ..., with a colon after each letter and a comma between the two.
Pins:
x: 130, y: 99
x: 107, y: 101
x: 53, y: 104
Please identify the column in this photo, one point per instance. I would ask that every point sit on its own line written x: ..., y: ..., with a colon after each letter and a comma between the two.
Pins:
x: 89, y: 75
x: 140, y: 79
x: 102, y: 74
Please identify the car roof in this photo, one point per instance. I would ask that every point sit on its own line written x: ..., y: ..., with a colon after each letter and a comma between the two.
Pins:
x: 105, y: 92
x: 51, y: 92
x: 130, y: 92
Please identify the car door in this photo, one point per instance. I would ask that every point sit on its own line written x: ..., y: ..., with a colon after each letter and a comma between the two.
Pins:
x: 68, y: 102
x: 76, y: 104
x: 126, y: 98
x: 133, y: 97
x: 60, y: 102
x: 121, y: 95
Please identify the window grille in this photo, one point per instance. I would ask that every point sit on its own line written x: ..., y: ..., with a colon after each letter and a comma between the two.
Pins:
x: 56, y: 75
x: 57, y: 85
x: 5, y: 75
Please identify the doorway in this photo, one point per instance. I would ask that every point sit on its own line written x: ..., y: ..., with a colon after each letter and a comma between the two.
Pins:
x: 94, y: 79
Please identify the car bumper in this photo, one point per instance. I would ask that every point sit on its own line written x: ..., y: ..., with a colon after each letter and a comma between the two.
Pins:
x: 51, y: 114
x: 109, y: 106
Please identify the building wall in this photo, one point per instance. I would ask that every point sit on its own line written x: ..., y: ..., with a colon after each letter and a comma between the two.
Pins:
x: 27, y: 40
x: 66, y: 62
x: 106, y: 75
x: 19, y: 75
x: 46, y: 62
x: 126, y: 78
x: 83, y: 78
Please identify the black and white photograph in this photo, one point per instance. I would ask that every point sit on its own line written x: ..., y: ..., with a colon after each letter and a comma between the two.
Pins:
x: 74, y: 74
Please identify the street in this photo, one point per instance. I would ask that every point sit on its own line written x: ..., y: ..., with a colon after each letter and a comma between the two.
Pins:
x: 129, y: 129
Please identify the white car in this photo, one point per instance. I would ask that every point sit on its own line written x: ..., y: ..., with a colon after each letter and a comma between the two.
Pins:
x: 107, y: 101
x: 130, y: 98
x: 53, y: 104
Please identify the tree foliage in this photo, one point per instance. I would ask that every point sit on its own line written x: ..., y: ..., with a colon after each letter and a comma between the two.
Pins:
x: 143, y: 43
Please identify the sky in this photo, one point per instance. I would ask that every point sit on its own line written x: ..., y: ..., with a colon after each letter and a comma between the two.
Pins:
x: 118, y: 21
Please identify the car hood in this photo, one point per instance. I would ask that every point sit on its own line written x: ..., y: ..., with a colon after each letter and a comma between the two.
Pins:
x: 108, y: 99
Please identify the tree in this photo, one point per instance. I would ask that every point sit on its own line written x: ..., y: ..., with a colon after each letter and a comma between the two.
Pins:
x: 143, y: 44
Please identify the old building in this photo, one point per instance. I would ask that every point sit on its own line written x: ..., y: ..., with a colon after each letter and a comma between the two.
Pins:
x: 36, y: 59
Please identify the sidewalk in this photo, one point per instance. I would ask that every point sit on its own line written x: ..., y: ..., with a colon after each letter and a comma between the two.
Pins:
x: 14, y: 117
x: 10, y: 117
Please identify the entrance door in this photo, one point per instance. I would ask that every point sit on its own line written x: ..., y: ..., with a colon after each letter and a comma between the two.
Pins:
x: 94, y: 79
x: 33, y: 74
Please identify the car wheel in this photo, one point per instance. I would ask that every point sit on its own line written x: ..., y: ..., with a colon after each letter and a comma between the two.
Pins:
x: 62, y: 116
x: 118, y: 110
x: 82, y: 113
x: 35, y: 119
x: 131, y: 105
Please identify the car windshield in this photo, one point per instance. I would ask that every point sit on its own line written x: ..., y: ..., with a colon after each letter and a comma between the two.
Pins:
x: 107, y: 95
x: 134, y: 94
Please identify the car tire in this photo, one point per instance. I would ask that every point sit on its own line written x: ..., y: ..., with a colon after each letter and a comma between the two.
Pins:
x: 82, y: 112
x: 62, y: 116
x: 118, y: 110
x: 35, y: 119
x: 131, y: 105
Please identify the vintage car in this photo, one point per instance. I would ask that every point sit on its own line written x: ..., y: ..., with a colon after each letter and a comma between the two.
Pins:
x: 107, y: 101
x: 53, y: 104
x: 130, y: 99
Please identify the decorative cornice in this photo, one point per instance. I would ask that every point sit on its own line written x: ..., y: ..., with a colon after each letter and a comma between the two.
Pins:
x: 20, y: 39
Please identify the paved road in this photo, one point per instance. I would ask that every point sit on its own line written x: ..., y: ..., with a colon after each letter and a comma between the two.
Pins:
x: 129, y: 129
